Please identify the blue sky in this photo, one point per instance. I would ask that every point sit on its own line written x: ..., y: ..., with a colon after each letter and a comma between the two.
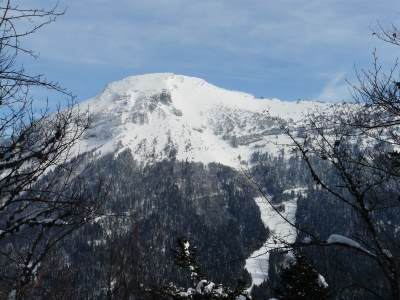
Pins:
x: 288, y: 49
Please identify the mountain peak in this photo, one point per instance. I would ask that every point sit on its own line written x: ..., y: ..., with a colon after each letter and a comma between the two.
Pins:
x: 157, y: 114
x: 153, y: 82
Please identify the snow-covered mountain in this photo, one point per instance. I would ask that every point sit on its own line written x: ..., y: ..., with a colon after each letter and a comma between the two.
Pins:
x: 159, y: 115
x: 164, y: 116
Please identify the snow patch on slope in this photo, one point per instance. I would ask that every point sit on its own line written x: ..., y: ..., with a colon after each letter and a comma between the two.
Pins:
x: 280, y: 230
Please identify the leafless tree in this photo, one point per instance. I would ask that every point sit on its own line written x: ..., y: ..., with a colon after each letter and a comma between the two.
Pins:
x: 39, y: 206
x: 360, y: 143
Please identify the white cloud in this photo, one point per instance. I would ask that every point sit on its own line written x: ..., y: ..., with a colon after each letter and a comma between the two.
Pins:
x: 336, y: 89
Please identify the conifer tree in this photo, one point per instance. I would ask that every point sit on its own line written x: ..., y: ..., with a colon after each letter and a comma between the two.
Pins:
x: 300, y: 281
x: 202, y: 289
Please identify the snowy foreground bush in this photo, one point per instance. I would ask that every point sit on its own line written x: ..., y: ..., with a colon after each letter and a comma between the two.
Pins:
x: 202, y: 288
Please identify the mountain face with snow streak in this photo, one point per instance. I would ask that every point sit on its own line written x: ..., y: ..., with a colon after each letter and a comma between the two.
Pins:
x: 164, y: 116
x: 159, y: 115
x: 171, y: 150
